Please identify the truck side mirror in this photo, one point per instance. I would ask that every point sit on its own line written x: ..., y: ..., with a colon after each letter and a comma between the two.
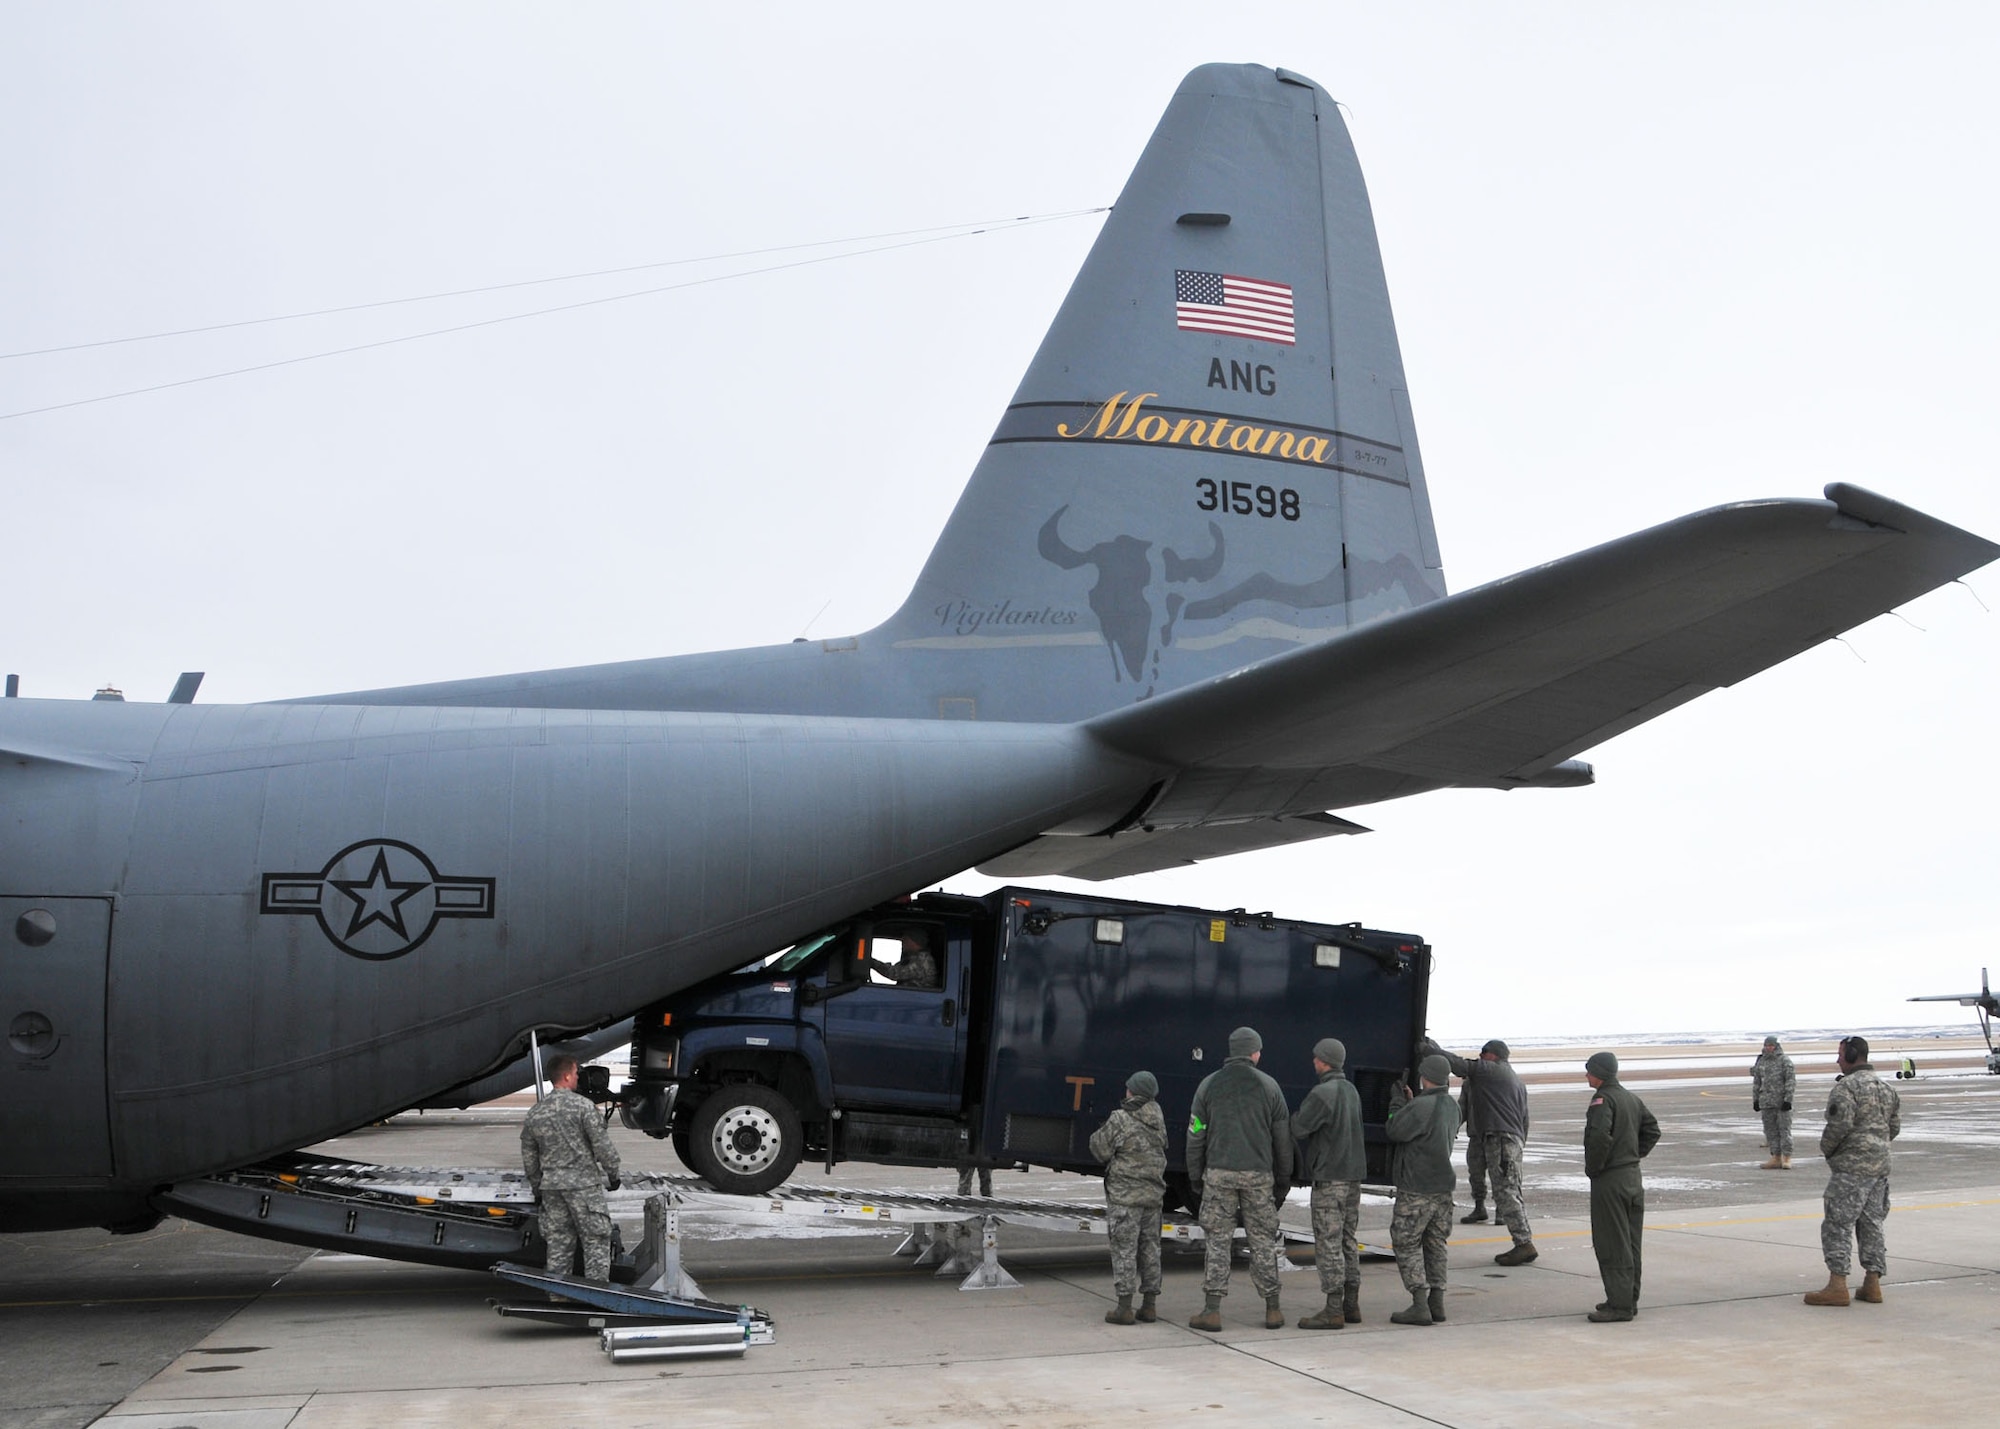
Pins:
x: 845, y: 965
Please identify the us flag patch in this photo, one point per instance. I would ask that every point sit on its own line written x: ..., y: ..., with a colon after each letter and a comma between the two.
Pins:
x: 1233, y: 306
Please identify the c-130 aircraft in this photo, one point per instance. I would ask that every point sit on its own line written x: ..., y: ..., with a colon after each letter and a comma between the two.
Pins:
x: 1190, y: 603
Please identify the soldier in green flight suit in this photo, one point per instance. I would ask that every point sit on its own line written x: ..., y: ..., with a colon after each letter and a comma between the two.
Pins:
x: 1618, y: 1132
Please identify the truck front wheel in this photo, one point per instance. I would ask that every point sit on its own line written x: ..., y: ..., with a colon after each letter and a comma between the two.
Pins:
x: 1181, y: 1194
x: 745, y: 1139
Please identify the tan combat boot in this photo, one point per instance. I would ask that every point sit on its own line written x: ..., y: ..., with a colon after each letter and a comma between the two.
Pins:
x: 1871, y: 1289
x: 1121, y: 1313
x: 1784, y: 1163
x: 1418, y: 1312
x: 1776, y: 1163
x: 1149, y: 1309
x: 1274, y: 1315
x: 1834, y: 1292
x: 1210, y: 1317
x: 1329, y: 1318
x: 1350, y: 1304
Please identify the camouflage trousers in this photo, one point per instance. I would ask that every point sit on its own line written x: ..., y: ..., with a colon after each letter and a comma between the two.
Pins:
x: 1227, y: 1198
x: 1421, y: 1227
x: 1503, y: 1164
x: 1475, y: 1166
x: 572, y: 1216
x: 1336, y: 1207
x: 1135, y: 1248
x: 1856, y: 1206
x: 1778, y: 1131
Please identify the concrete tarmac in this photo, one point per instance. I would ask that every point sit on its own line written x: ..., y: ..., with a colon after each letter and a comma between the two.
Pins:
x: 191, y: 1327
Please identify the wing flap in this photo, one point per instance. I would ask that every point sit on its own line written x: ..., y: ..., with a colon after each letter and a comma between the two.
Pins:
x: 1148, y: 851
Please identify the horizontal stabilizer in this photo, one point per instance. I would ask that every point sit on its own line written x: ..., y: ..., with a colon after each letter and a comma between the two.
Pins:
x: 1148, y: 851
x: 1982, y: 999
x: 1505, y: 681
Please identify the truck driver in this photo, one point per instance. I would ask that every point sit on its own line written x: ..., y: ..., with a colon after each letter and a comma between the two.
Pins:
x: 917, y: 967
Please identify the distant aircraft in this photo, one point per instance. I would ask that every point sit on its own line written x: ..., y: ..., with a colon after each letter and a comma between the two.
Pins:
x: 1986, y: 1004
x: 1190, y: 603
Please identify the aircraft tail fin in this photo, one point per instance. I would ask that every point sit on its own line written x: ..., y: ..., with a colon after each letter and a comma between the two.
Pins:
x: 1211, y: 458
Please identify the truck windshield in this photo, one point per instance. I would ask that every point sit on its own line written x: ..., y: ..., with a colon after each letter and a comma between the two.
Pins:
x: 789, y: 960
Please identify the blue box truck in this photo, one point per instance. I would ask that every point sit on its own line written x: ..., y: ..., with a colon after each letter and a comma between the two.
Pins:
x: 1008, y: 1038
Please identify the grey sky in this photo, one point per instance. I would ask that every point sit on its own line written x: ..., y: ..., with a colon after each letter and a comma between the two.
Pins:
x: 1643, y: 261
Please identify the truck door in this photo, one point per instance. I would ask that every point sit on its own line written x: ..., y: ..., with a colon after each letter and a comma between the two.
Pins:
x: 53, y: 1118
x: 901, y: 1044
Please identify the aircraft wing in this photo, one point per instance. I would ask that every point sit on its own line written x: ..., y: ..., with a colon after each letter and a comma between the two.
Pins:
x: 1502, y: 683
x: 1963, y: 999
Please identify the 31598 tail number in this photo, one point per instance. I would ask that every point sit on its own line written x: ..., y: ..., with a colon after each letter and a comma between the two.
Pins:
x: 1245, y: 498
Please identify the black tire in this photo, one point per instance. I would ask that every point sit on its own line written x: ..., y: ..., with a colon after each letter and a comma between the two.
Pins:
x: 1182, y: 1196
x: 683, y: 1145
x: 744, y: 1139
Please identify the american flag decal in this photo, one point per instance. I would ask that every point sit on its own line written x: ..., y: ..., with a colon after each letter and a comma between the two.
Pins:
x: 1233, y: 306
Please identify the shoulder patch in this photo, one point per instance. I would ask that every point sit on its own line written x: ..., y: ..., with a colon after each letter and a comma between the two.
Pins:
x: 1597, y: 1101
x: 1196, y: 1126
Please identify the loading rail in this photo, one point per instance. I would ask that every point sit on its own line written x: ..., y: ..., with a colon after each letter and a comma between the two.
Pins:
x: 475, y: 1218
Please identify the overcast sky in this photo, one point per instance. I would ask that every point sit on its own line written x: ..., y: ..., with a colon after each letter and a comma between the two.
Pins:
x: 1644, y: 260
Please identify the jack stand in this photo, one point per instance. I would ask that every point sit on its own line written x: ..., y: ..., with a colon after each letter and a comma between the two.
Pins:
x: 958, y: 1237
x: 659, y: 1260
x: 989, y: 1275
x: 935, y: 1250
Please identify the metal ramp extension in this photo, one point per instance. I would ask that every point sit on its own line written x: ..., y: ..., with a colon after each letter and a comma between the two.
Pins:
x: 957, y: 1235
x: 463, y: 1220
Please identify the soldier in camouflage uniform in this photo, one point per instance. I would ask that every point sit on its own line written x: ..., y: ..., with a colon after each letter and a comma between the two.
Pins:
x: 1475, y: 1158
x: 1333, y: 1157
x: 569, y: 1159
x: 962, y: 1234
x: 917, y: 967
x: 1423, y: 1128
x: 1239, y: 1157
x: 1772, y: 1082
x: 1863, y: 1115
x: 1133, y: 1147
x: 1499, y: 1105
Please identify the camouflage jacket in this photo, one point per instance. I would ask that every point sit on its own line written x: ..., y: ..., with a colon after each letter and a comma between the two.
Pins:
x: 1863, y: 1115
x: 1772, y: 1082
x: 1133, y: 1147
x: 564, y: 1145
x: 917, y: 969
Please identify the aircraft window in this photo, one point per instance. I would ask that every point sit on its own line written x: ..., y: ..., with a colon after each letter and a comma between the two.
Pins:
x: 789, y: 960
